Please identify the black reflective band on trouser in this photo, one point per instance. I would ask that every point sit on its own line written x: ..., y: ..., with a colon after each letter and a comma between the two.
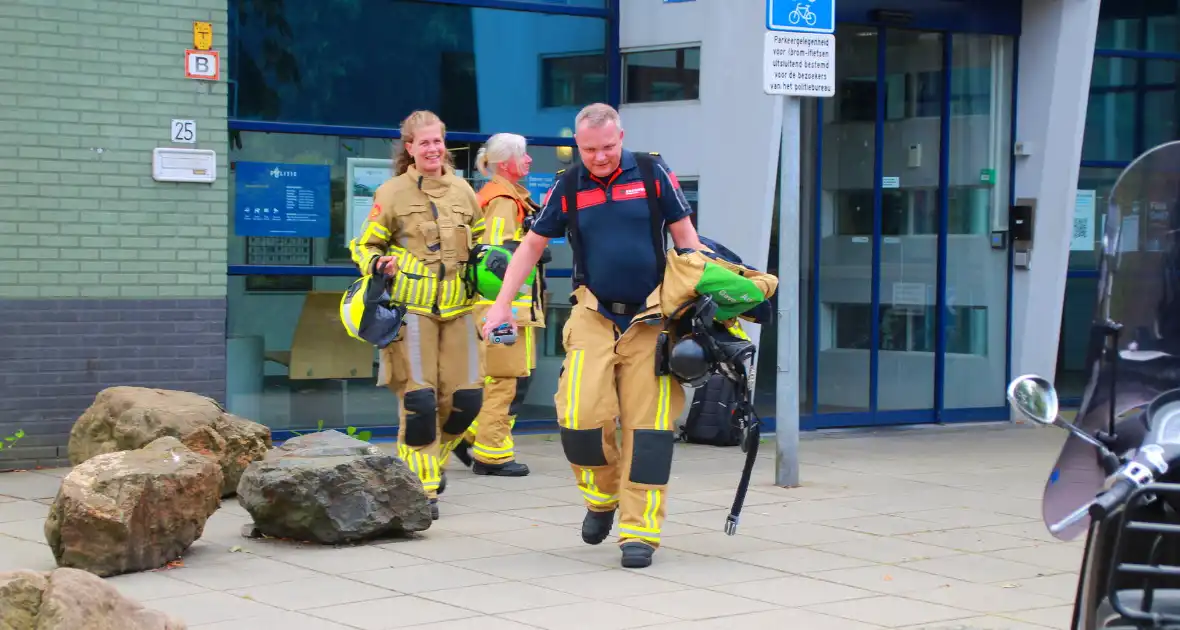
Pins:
x: 651, y: 457
x: 522, y: 390
x: 421, y: 417
x: 583, y: 447
x: 465, y: 405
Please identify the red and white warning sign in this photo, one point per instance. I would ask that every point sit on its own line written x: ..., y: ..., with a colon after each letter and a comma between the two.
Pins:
x: 202, y: 64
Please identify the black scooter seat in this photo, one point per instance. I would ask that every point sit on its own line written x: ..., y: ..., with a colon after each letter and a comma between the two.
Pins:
x: 1165, y: 601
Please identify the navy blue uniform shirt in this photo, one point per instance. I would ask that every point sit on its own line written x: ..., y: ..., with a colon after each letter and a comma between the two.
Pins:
x: 614, y: 225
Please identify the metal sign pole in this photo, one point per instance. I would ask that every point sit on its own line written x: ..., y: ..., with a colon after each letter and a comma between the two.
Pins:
x: 786, y: 469
x: 799, y: 59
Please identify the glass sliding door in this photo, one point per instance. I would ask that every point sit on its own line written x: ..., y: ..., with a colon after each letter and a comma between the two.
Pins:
x: 909, y: 220
x: 843, y: 320
x: 905, y: 291
x: 975, y: 323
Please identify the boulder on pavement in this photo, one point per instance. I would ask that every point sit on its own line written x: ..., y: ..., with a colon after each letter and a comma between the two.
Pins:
x: 69, y: 599
x: 128, y: 418
x: 330, y: 488
x: 133, y: 510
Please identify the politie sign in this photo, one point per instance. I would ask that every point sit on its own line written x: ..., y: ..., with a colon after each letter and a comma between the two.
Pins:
x: 801, y: 16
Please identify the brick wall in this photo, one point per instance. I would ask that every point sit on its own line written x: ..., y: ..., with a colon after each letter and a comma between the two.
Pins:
x: 106, y: 276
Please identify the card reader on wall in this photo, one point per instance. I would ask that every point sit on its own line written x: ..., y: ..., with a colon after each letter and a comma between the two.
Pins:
x: 1021, y: 218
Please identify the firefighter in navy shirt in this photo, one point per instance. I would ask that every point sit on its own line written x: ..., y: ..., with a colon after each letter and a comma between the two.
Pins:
x: 617, y: 235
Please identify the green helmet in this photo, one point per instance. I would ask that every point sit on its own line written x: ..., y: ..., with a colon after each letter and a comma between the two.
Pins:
x: 488, y: 267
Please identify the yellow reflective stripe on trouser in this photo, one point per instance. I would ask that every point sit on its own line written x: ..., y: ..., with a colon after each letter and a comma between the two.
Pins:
x: 427, y: 467
x: 650, y: 531
x: 577, y: 359
x: 507, y: 451
x: 663, y: 403
x: 592, y: 494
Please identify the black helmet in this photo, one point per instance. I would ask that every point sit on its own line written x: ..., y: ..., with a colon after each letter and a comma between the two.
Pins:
x: 689, y: 362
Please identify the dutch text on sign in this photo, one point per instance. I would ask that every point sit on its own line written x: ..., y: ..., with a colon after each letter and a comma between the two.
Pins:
x: 202, y: 64
x: 799, y: 64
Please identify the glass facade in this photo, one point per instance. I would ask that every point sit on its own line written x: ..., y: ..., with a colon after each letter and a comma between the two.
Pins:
x: 303, y: 73
x: 1134, y: 105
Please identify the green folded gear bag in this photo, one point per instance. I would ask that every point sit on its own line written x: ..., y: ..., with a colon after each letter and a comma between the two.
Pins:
x: 487, y: 265
x: 736, y: 289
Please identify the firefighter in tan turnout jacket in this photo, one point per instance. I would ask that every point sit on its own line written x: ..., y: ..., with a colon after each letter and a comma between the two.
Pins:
x: 419, y: 232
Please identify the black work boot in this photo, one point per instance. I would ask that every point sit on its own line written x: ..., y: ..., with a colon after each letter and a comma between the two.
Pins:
x: 442, y: 483
x: 508, y: 469
x: 596, y: 526
x: 637, y: 555
x: 462, y: 452
x: 434, y: 509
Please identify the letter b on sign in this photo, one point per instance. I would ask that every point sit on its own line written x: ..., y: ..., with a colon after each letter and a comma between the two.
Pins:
x: 202, y: 64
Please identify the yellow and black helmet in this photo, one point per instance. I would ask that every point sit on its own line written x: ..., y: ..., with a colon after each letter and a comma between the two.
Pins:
x: 368, y: 312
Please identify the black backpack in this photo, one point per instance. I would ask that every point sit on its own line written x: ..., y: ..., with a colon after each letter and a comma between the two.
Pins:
x: 713, y: 417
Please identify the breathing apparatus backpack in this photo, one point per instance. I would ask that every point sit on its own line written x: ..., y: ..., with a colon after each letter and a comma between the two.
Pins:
x: 368, y: 312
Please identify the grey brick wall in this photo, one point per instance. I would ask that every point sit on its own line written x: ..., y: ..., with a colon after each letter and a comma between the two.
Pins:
x: 107, y: 277
x: 56, y: 355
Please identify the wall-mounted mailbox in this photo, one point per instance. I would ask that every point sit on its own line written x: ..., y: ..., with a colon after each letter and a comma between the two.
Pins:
x: 170, y: 164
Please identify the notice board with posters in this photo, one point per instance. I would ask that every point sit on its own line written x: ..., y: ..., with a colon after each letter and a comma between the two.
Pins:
x: 291, y: 200
x: 364, y: 176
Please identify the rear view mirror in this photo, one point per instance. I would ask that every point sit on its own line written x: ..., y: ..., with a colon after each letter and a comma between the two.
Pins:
x: 1035, y: 398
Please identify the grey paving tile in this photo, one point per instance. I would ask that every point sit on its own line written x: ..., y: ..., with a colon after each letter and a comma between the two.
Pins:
x: 22, y: 510
x: 337, y: 560
x: 313, y: 592
x: 890, y: 611
x: 391, y: 612
x: 599, y: 615
x: 985, y: 598
x: 804, y: 534
x: 799, y: 560
x: 539, y: 537
x: 1055, y: 617
x: 1062, y: 586
x: 559, y: 515
x: 32, y: 530
x: 781, y: 619
x: 970, y: 540
x: 22, y: 554
x: 528, y: 566
x: 29, y: 485
x: 150, y: 585
x: 966, y: 517
x: 795, y: 591
x: 239, y: 574
x: 484, y: 522
x: 501, y: 598
x: 705, y: 571
x: 211, y: 607
x: 454, y: 548
x: 695, y: 603
x: 979, y: 568
x: 885, y: 579
x: 483, y: 622
x: 279, y: 619
x: 886, y: 550
x: 609, y: 585
x: 884, y: 525
x: 719, y: 544
x: 1056, y: 556
x: 422, y: 578
x: 977, y: 623
x: 505, y: 501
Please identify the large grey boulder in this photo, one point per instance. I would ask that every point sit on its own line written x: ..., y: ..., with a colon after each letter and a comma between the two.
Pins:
x: 128, y: 418
x: 133, y: 510
x: 330, y: 488
x: 69, y: 599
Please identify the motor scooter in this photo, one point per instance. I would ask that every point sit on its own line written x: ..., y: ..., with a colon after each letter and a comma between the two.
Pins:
x: 1117, y: 477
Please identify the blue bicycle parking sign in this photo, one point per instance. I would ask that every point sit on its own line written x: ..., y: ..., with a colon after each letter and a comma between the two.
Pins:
x: 804, y: 16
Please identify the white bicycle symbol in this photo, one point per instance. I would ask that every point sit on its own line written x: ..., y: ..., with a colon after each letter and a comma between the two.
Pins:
x: 803, y: 13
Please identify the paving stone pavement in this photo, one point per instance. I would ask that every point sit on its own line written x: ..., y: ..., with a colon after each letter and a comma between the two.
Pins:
x: 934, y: 528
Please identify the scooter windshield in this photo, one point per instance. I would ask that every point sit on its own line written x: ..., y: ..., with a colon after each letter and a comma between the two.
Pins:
x: 1139, y: 291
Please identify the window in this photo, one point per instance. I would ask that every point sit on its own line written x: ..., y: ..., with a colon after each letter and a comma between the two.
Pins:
x: 573, y: 80
x: 906, y: 328
x: 1144, y: 25
x: 343, y: 62
x: 662, y: 75
x: 691, y: 193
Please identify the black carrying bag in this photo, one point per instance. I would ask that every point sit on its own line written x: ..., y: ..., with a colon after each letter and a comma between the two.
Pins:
x: 713, y: 417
